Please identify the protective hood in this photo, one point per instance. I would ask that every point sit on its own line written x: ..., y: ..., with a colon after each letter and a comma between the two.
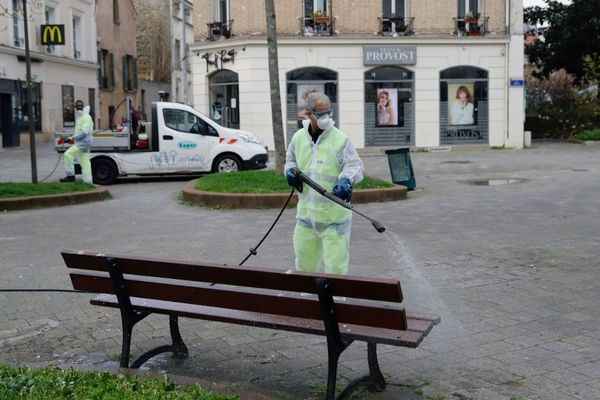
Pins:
x: 85, y: 111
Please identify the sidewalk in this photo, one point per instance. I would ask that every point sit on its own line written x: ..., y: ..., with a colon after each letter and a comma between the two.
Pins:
x: 512, y: 269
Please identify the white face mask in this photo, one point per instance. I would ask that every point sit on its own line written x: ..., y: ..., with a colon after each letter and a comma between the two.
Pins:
x: 324, y: 122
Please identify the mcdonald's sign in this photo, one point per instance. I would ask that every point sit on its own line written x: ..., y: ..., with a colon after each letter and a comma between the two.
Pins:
x: 52, y: 34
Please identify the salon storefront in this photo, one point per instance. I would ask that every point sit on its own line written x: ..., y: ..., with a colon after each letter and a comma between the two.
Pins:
x: 422, y: 93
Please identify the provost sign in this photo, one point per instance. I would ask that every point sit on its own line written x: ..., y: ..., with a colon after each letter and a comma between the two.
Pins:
x: 52, y: 34
x: 389, y: 55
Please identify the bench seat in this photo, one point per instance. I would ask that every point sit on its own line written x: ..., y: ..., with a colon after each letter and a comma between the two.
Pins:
x: 418, y: 327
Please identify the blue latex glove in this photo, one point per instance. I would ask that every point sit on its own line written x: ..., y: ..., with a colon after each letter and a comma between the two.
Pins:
x: 293, y: 180
x: 343, y: 189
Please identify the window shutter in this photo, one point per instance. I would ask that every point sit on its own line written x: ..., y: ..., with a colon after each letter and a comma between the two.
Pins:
x: 125, y: 83
x: 135, y: 74
x: 111, y: 66
x: 100, y: 69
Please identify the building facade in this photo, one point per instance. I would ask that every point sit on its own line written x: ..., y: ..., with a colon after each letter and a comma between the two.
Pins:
x: 117, y: 61
x: 400, y: 72
x: 182, y: 37
x: 60, y: 73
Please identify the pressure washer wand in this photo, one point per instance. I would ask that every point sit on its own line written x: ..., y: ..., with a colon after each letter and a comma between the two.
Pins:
x: 376, y: 224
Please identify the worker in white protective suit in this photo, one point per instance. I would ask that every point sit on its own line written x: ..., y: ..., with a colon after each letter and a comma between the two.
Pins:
x: 84, y: 128
x: 326, y: 155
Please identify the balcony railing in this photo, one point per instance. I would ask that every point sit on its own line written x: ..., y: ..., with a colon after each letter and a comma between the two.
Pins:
x: 320, y: 25
x: 396, y: 26
x: 470, y: 26
x: 77, y: 54
x: 220, y: 30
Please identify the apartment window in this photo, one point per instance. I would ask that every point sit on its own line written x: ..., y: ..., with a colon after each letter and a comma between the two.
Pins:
x: 106, y: 69
x: 129, y: 73
x: 221, y: 11
x: 50, y: 17
x: 315, y: 7
x: 467, y: 7
x: 77, y: 37
x: 177, y: 54
x: 116, y: 11
x: 187, y: 14
x: 18, y: 25
x: 186, y: 60
x: 393, y: 20
x: 317, y: 20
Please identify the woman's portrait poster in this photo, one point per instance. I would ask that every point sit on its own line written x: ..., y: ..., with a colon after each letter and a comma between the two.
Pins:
x: 386, y: 107
x: 461, y: 102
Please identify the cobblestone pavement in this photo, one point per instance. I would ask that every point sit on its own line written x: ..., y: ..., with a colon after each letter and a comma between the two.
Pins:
x: 512, y: 269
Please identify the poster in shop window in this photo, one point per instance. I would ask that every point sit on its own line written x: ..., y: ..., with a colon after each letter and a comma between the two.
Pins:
x: 461, y: 104
x: 387, y: 107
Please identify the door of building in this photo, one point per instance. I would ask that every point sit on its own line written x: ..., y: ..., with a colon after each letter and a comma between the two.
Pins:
x: 10, y: 136
x: 224, y: 98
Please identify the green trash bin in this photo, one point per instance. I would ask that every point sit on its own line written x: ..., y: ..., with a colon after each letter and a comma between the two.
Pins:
x: 401, y: 167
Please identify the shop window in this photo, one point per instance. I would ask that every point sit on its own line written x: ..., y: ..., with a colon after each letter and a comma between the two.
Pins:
x: 224, y: 98
x: 389, y: 110
x: 464, y: 105
x: 302, y: 81
x: 24, y: 107
x: 68, y: 94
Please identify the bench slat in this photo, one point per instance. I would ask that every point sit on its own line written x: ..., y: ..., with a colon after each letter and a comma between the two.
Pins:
x: 369, y: 288
x: 391, y: 316
x: 417, y: 329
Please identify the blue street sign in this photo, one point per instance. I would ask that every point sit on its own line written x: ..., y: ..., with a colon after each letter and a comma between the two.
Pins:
x: 517, y: 82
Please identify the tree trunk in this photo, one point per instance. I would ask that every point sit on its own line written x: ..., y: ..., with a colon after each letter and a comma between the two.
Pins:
x: 275, y: 89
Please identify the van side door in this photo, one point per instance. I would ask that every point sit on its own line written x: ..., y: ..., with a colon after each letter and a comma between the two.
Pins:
x: 186, y: 141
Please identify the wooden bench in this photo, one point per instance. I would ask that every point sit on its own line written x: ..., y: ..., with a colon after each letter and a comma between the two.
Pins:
x: 346, y: 308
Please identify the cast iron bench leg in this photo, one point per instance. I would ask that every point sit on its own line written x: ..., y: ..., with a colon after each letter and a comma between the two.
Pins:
x: 374, y: 380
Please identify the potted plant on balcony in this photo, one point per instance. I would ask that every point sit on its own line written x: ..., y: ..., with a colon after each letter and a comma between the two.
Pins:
x: 320, y: 18
x: 472, y: 17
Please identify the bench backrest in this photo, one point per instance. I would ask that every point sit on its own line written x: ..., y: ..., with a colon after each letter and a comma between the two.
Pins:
x: 241, y: 288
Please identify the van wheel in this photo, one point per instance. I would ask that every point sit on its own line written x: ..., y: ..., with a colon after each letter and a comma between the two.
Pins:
x: 104, y: 172
x: 227, y: 163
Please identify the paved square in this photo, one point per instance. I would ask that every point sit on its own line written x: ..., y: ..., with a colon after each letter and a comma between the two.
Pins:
x: 512, y: 269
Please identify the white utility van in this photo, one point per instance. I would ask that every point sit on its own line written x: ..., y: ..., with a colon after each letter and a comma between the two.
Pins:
x: 177, y: 140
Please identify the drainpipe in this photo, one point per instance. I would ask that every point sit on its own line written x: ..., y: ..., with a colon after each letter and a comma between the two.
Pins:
x: 506, y: 66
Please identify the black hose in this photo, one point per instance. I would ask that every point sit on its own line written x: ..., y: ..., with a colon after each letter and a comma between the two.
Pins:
x: 253, y: 250
x: 41, y: 290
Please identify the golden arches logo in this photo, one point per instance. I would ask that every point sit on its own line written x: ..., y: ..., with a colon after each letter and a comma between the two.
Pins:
x: 53, y: 34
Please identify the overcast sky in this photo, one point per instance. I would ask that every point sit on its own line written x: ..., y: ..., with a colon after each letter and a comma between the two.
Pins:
x: 529, y: 3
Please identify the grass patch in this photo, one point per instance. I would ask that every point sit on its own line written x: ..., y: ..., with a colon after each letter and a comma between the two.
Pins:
x: 592, y: 134
x: 263, y: 182
x: 18, y: 189
x: 51, y: 383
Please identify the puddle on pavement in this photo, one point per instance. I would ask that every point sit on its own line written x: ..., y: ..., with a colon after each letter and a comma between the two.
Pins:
x: 493, y: 181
